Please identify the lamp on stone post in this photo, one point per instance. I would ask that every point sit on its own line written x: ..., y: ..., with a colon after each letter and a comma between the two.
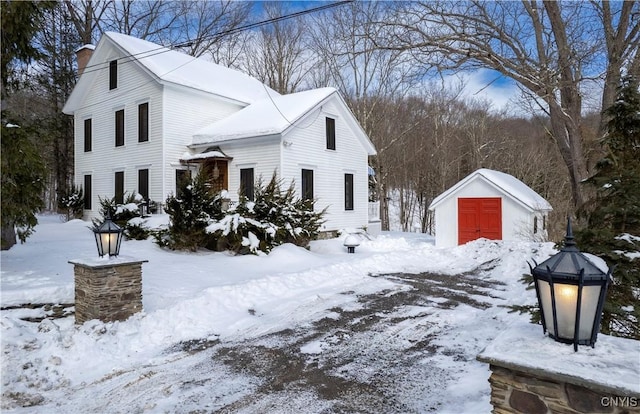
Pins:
x: 571, y: 291
x: 108, y: 237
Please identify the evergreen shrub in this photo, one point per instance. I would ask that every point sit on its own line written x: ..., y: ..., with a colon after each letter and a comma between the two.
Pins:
x: 71, y: 203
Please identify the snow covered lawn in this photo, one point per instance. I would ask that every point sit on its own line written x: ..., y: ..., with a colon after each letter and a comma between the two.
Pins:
x: 394, y: 327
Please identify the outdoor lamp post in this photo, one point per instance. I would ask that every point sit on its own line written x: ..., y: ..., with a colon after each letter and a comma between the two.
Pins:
x: 351, y: 242
x: 108, y: 237
x: 571, y: 292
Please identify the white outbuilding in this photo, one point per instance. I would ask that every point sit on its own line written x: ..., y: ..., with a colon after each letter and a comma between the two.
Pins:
x: 489, y: 204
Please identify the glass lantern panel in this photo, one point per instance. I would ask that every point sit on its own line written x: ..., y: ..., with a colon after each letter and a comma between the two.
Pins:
x: 588, y: 309
x: 566, y: 297
x: 109, y: 242
x: 545, y: 299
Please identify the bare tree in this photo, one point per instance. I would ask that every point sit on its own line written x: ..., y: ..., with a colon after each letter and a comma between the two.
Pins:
x: 551, y: 49
x: 622, y: 43
x: 369, y: 79
x: 277, y: 54
x: 204, y: 26
x: 85, y: 15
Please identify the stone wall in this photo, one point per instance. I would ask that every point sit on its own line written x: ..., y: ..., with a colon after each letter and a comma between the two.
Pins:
x: 514, y: 391
x: 108, y: 292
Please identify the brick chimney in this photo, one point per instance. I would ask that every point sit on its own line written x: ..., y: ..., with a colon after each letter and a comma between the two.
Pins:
x: 83, y: 54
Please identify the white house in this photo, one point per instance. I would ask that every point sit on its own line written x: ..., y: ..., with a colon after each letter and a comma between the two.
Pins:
x: 147, y: 116
x: 489, y: 204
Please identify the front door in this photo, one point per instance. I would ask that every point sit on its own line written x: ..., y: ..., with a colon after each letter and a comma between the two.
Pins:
x: 217, y: 174
x: 479, y: 217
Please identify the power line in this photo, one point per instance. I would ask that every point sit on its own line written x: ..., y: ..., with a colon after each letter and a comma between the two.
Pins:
x: 164, y: 49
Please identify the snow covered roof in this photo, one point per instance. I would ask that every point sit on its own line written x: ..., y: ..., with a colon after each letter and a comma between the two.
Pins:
x: 174, y: 67
x: 208, y: 153
x: 182, y: 69
x: 506, y: 183
x: 269, y: 116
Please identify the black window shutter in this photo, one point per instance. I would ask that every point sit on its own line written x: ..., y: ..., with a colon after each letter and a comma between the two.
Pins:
x: 348, y: 191
x: 120, y: 128
x: 87, y: 192
x: 143, y: 183
x: 87, y: 135
x: 119, y: 187
x: 113, y: 74
x: 143, y: 122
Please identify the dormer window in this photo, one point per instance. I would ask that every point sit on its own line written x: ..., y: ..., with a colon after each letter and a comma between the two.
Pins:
x: 113, y: 74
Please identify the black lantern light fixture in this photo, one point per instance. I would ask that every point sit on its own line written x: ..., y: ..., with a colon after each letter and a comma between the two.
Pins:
x: 571, y: 291
x: 108, y: 237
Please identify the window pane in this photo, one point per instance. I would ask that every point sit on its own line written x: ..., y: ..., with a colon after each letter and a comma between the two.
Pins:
x: 143, y: 122
x: 183, y: 178
x: 247, y: 183
x: 113, y: 74
x: 119, y: 187
x: 331, y: 133
x: 307, y: 184
x: 87, y: 135
x: 143, y: 183
x: 120, y: 128
x: 87, y: 192
x: 348, y: 191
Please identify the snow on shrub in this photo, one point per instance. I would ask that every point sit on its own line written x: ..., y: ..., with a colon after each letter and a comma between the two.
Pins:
x: 71, y: 203
x: 275, y: 217
x: 250, y: 227
x: 123, y: 215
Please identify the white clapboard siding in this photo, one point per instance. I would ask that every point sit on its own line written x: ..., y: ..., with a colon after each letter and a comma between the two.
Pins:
x: 134, y: 88
x: 262, y: 155
x: 185, y: 111
x: 305, y: 148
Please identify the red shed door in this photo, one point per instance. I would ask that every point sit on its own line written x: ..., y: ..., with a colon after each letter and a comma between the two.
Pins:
x: 479, y: 217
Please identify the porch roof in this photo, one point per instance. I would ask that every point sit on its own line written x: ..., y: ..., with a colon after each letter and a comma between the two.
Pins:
x: 209, y: 153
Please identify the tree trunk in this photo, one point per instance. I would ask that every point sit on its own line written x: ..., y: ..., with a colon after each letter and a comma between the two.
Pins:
x: 8, y: 236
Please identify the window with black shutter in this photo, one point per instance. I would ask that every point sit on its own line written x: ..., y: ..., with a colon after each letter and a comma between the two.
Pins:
x: 87, y: 135
x: 119, y: 187
x: 247, y: 183
x: 143, y: 183
x: 348, y: 191
x: 331, y: 133
x: 307, y: 184
x: 143, y: 122
x: 113, y: 74
x: 120, y: 128
x: 87, y: 192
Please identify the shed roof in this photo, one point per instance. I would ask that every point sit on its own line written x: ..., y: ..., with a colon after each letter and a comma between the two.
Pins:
x: 507, y: 184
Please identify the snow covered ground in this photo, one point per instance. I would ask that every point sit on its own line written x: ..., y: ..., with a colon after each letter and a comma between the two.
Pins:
x: 206, y: 312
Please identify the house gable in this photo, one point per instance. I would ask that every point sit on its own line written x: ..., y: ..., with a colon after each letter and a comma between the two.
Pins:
x: 167, y: 66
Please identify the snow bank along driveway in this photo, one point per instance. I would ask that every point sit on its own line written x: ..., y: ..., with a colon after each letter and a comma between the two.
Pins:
x: 393, y: 328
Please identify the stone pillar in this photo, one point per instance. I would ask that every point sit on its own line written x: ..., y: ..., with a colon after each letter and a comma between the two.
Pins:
x: 533, y: 374
x: 107, y: 289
